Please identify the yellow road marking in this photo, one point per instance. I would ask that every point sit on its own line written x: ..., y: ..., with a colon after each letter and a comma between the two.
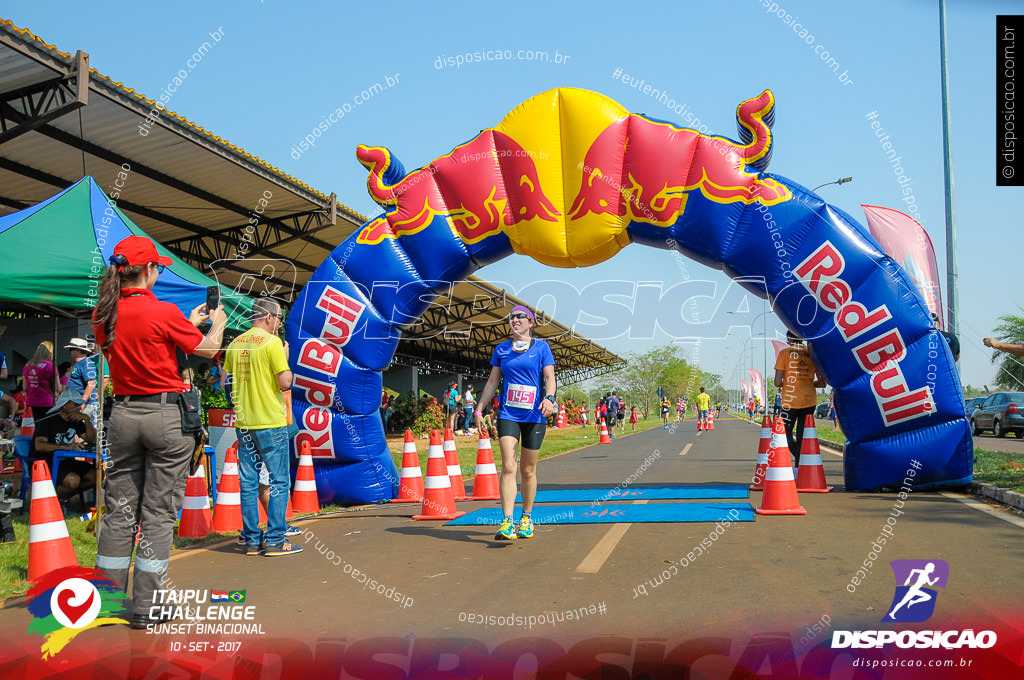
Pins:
x: 596, y: 558
x: 686, y: 449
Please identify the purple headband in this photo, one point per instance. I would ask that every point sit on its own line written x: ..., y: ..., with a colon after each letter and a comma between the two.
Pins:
x: 524, y: 310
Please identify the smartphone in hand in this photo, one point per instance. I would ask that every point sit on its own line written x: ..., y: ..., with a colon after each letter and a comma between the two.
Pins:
x: 212, y: 298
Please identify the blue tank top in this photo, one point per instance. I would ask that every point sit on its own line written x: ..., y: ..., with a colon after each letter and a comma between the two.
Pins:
x: 522, y: 387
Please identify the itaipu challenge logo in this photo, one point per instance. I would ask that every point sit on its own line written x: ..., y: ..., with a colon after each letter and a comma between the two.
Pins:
x: 914, y: 601
x: 67, y: 601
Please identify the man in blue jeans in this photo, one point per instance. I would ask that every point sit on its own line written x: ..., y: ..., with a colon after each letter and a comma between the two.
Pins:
x: 258, y: 363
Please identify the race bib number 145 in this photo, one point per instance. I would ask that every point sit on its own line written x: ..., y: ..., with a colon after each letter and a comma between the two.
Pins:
x: 520, y: 396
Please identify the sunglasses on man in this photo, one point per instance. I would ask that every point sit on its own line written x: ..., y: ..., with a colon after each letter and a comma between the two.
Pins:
x: 518, y: 315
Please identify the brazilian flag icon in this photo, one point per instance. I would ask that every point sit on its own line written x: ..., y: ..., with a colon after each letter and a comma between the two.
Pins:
x: 237, y: 596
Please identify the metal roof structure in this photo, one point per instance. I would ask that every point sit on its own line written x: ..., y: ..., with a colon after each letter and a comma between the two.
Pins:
x: 216, y: 206
x: 189, y: 189
x: 473, y: 318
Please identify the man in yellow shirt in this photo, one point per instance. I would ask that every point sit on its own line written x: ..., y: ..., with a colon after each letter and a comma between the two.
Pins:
x: 703, y: 406
x: 258, y: 363
x: 797, y: 377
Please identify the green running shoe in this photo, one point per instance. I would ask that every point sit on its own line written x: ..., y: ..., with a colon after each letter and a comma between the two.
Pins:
x: 525, y: 527
x: 507, y: 530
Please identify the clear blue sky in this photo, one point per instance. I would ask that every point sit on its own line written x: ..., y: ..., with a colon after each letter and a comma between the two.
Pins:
x: 281, y: 67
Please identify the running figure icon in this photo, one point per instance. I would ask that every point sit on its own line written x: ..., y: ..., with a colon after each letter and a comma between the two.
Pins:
x: 915, y: 594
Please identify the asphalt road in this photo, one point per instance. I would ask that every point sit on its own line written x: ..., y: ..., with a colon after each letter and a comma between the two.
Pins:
x: 777, y: 574
x: 1010, y: 444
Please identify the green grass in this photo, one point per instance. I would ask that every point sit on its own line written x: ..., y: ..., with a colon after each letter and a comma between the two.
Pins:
x: 14, y: 556
x: 997, y: 467
x: 826, y: 432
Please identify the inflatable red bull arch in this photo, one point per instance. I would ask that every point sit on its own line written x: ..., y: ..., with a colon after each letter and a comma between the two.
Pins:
x: 570, y: 178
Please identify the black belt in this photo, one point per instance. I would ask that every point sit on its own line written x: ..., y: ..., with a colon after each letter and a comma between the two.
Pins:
x: 158, y: 398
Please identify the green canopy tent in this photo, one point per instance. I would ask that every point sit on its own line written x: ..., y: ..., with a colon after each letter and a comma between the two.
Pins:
x: 62, y: 246
x: 60, y: 249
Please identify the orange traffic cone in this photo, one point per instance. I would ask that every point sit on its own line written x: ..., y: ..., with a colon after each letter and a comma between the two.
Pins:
x: 28, y: 423
x: 410, y: 486
x: 451, y: 457
x: 196, y: 521
x: 711, y: 420
x: 438, y: 499
x: 700, y: 425
x: 762, y: 455
x: 485, y: 480
x: 289, y: 512
x: 810, y: 475
x: 561, y: 416
x: 780, y: 497
x: 605, y: 439
x: 49, y: 544
x: 304, y: 497
x: 227, y: 514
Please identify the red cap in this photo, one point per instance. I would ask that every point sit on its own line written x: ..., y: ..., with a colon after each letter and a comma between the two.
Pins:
x: 139, y: 250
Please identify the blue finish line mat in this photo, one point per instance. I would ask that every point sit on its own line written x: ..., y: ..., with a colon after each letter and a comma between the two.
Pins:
x: 652, y: 493
x: 614, y: 514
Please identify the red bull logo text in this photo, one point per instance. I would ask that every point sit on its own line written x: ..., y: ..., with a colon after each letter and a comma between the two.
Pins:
x: 820, y: 274
x: 323, y: 355
x: 342, y: 314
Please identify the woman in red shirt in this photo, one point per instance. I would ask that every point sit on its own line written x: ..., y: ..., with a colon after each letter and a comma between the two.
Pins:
x: 148, y: 452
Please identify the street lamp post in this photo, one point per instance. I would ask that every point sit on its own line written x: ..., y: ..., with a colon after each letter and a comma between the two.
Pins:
x: 764, y: 340
x: 743, y: 351
x: 841, y: 180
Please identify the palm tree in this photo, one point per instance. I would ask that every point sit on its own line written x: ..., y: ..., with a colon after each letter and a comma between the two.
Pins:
x: 1010, y: 375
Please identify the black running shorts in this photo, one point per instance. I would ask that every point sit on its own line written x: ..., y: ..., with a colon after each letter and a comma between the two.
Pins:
x: 530, y: 434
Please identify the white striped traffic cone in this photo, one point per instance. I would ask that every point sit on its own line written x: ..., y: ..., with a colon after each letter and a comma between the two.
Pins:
x: 227, y: 514
x: 451, y: 457
x: 304, y: 497
x: 485, y: 482
x: 780, y: 497
x: 28, y: 423
x: 196, y: 520
x: 810, y: 476
x: 49, y: 544
x: 762, y: 455
x: 410, y: 486
x: 438, y: 499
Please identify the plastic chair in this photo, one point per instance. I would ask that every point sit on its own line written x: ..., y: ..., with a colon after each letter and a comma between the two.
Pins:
x: 22, y: 445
